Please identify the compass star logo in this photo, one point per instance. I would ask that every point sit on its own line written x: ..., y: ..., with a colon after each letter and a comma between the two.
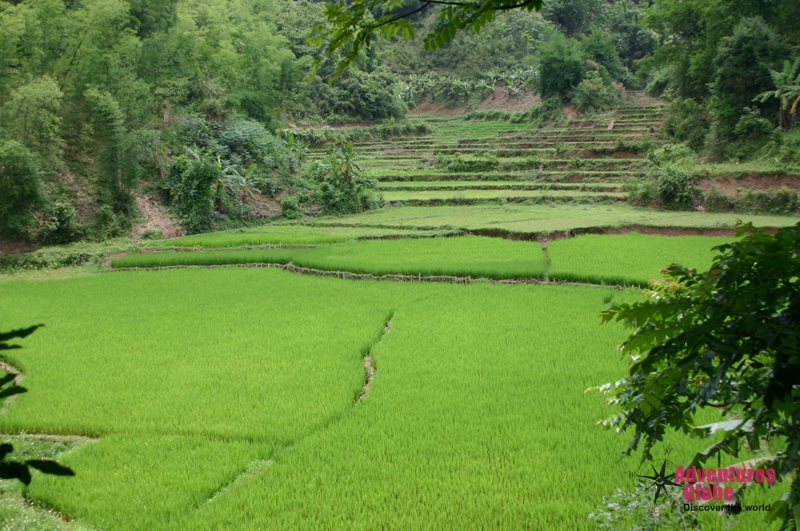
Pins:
x: 660, y: 481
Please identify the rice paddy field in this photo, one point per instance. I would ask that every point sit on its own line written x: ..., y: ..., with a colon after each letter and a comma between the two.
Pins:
x: 187, y: 396
x: 547, y: 217
x: 458, y: 256
x: 289, y: 235
x: 444, y: 195
x: 629, y: 259
x: 600, y: 259
x: 229, y: 399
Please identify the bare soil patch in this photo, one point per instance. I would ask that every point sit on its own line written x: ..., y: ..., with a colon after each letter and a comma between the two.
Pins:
x: 439, y: 108
x: 640, y: 99
x: 263, y: 206
x: 8, y: 247
x: 571, y: 111
x: 155, y: 217
x: 500, y: 100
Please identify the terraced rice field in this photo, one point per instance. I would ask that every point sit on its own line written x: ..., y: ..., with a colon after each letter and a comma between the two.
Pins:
x: 233, y: 399
x: 597, y: 259
x: 552, y: 217
x: 605, y: 150
x: 256, y: 398
x: 630, y: 259
x: 477, y: 197
x: 464, y: 256
x: 288, y: 235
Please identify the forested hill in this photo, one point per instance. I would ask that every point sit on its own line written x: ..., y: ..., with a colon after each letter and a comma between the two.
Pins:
x: 188, y: 101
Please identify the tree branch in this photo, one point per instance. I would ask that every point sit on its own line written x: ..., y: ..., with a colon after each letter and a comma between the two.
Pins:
x: 398, y: 17
x: 517, y: 6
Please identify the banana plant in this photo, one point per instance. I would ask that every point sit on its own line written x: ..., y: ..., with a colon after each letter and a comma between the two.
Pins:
x: 294, y: 151
x: 787, y: 92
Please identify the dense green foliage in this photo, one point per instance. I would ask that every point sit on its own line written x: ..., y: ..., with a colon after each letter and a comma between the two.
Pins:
x: 101, y: 96
x: 562, y: 67
x: 189, y: 184
x: 719, y: 55
x: 20, y: 187
x: 232, y: 398
x: 343, y: 186
x: 725, y: 339
x: 252, y: 238
x: 105, y: 98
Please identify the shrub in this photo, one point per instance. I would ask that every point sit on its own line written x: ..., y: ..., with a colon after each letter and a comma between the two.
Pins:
x: 783, y: 146
x: 670, y: 154
x: 61, y: 226
x: 561, y: 67
x: 189, y: 185
x: 752, y: 127
x: 675, y: 189
x: 357, y: 96
x: 290, y: 208
x: 548, y: 111
x: 780, y: 202
x: 641, y: 191
x: 460, y: 165
x: 109, y: 224
x: 716, y: 201
x: 344, y: 188
x: 152, y: 234
x: 575, y: 163
x: 20, y: 188
x: 593, y: 93
x: 687, y: 121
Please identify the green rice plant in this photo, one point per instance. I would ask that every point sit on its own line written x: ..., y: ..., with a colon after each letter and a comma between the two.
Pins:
x: 207, y: 258
x: 251, y: 238
x: 630, y: 259
x: 297, y: 234
x: 463, y: 256
x: 490, y: 115
x: 476, y: 420
x: 715, y: 200
x: 211, y: 383
x: 408, y: 195
x: 195, y: 402
x: 517, y: 217
x: 224, y: 399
